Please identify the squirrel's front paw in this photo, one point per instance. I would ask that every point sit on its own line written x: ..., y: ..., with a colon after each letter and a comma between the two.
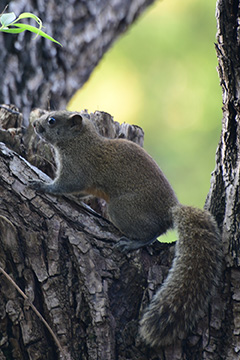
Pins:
x: 123, y: 245
x: 36, y: 185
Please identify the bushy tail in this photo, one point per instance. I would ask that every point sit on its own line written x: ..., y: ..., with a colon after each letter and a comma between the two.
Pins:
x: 195, y: 273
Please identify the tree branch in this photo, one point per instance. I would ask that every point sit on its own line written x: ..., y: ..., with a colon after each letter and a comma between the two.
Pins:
x: 35, y: 73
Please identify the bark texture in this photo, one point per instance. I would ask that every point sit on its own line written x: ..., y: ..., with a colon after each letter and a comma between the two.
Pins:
x: 38, y: 73
x: 61, y: 254
x: 223, y: 198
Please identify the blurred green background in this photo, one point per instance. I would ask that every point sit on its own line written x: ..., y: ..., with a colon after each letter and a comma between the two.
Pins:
x: 161, y: 75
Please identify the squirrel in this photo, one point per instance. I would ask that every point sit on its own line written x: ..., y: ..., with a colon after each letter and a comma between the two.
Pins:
x: 143, y: 206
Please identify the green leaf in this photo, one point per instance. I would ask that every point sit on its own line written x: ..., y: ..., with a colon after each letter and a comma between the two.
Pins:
x: 34, y: 30
x: 7, y: 19
x: 27, y: 15
x: 11, y: 31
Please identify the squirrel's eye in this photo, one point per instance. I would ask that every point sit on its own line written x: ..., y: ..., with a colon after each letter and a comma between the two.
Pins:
x: 51, y: 121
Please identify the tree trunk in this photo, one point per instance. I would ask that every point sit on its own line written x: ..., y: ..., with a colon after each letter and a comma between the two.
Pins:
x: 61, y: 253
x: 223, y: 198
x: 38, y: 73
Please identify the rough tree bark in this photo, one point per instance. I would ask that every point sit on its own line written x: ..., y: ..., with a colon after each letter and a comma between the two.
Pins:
x: 223, y: 198
x: 39, y: 73
x: 61, y: 253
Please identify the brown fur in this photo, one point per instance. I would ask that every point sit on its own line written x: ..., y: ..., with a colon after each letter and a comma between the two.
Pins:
x: 192, y: 280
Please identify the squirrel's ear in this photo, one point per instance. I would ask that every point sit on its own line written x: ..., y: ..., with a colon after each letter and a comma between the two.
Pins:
x: 75, y: 120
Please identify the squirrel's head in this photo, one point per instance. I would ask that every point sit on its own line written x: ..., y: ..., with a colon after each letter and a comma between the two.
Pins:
x: 60, y: 126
